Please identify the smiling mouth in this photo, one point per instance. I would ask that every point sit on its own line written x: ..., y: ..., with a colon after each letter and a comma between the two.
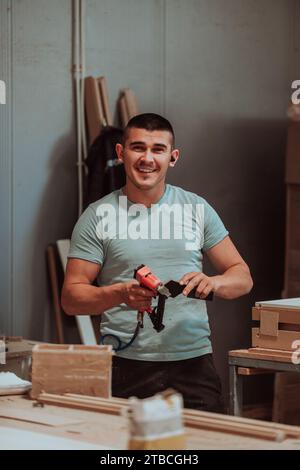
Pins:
x: 146, y: 170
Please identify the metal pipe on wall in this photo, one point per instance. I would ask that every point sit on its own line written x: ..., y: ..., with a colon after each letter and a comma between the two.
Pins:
x: 79, y: 72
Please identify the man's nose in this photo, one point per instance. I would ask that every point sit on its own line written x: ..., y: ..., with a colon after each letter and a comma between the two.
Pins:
x: 148, y: 155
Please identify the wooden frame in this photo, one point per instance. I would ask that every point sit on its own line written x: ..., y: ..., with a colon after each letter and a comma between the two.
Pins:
x: 58, y: 368
x: 279, y: 324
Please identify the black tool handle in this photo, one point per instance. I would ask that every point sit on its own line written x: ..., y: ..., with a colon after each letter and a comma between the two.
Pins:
x: 192, y: 295
x: 160, y: 313
x: 175, y: 289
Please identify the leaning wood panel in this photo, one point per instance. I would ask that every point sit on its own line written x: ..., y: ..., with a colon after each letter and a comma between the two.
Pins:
x: 85, y: 370
x: 93, y: 108
x: 131, y: 103
x: 104, y: 100
x: 123, y: 111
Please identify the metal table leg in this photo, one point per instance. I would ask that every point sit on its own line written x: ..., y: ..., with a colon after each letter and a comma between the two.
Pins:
x: 235, y: 391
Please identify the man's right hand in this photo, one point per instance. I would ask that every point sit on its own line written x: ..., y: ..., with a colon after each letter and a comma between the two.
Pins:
x: 135, y: 296
x: 79, y: 297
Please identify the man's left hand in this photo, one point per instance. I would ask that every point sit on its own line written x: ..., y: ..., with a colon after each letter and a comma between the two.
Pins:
x: 204, y: 284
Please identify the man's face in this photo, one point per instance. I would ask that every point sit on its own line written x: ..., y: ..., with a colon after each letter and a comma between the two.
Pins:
x: 147, y: 156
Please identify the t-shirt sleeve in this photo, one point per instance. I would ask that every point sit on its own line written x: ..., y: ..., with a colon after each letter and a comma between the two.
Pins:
x: 85, y: 243
x: 214, y: 230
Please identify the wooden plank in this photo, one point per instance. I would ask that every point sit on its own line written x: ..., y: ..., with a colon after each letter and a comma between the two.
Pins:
x: 93, y: 108
x: 274, y: 354
x: 283, y: 341
x: 290, y: 431
x: 236, y: 428
x: 112, y: 400
x: 78, y: 404
x: 253, y: 371
x: 104, y: 100
x: 83, y: 402
x: 263, y: 354
x: 285, y: 315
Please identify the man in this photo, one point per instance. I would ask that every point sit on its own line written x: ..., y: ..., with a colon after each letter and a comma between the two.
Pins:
x: 134, y: 226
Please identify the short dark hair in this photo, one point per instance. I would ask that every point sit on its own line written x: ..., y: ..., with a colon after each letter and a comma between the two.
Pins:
x: 150, y: 122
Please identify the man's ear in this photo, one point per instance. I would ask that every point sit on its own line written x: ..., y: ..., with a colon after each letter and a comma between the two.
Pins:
x: 174, y: 157
x: 119, y: 152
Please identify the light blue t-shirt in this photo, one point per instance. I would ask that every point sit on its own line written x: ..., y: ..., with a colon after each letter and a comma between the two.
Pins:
x: 170, y: 238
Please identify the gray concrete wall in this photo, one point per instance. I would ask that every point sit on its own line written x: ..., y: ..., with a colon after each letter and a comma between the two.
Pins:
x: 220, y: 70
x: 38, y: 195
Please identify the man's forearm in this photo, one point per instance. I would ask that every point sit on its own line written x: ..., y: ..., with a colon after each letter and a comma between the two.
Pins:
x: 83, y: 299
x: 235, y: 282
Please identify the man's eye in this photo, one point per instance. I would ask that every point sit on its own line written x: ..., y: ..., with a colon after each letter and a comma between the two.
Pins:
x: 138, y: 149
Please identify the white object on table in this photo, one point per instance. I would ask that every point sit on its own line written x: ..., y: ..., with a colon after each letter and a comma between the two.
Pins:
x: 11, y: 384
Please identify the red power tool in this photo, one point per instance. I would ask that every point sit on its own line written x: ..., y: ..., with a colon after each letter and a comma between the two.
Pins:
x: 146, y: 278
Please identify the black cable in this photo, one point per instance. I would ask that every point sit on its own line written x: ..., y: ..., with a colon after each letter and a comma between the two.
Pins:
x: 110, y: 339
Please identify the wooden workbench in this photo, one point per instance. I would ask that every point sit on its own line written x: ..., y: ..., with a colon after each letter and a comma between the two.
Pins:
x: 90, y: 429
x: 258, y: 358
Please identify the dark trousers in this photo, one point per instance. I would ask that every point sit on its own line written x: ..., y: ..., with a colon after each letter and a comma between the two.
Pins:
x: 196, y: 379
